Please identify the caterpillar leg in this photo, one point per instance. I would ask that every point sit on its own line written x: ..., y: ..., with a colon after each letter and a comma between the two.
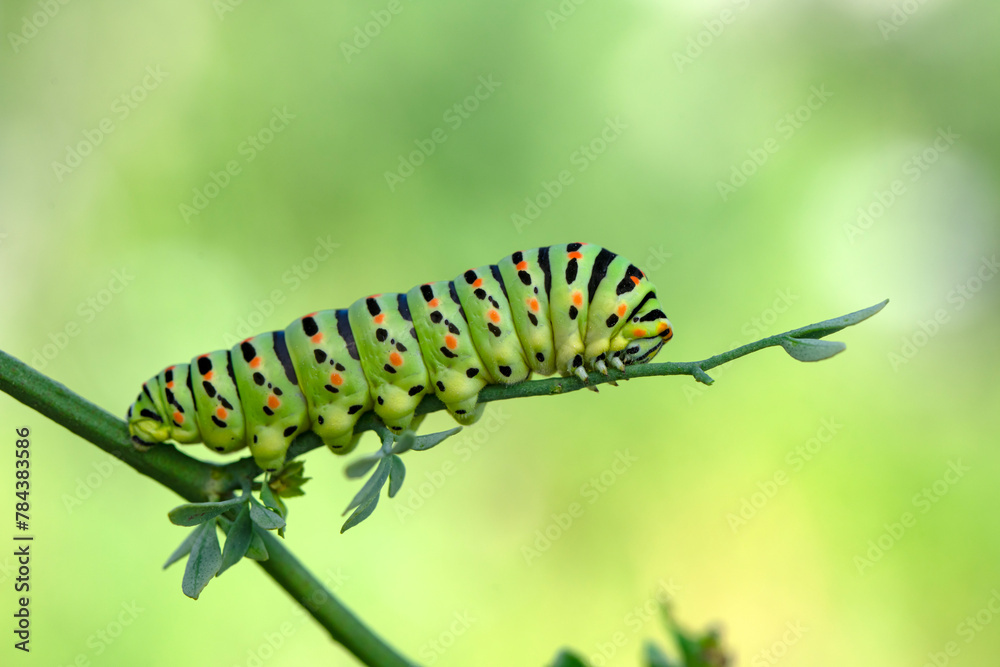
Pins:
x: 602, y: 368
x: 466, y: 412
x: 341, y: 444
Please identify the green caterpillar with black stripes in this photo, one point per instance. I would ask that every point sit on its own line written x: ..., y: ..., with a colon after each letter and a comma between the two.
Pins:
x: 565, y: 309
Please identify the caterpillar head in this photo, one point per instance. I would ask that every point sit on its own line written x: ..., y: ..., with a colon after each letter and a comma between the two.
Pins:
x: 146, y: 425
x: 645, y: 333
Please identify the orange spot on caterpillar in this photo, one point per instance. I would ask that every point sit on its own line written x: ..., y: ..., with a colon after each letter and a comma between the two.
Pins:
x: 209, y: 375
x: 639, y: 333
x: 575, y: 255
x: 451, y: 342
x: 494, y: 316
x: 170, y: 385
x: 533, y: 304
x: 634, y: 279
x: 661, y: 327
x: 178, y: 418
x: 577, y: 299
x: 255, y: 362
x: 380, y: 318
x: 247, y: 340
x: 221, y: 413
x: 396, y: 359
x: 311, y: 314
x: 434, y: 303
x: 621, y: 310
x: 522, y: 266
x: 317, y: 338
x: 273, y: 402
x: 478, y: 283
x: 170, y: 368
x: 336, y: 380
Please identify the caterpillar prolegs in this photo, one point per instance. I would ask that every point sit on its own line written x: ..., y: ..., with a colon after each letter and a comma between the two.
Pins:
x: 565, y: 309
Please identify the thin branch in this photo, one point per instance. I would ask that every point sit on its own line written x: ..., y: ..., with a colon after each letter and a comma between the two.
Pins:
x: 200, y: 481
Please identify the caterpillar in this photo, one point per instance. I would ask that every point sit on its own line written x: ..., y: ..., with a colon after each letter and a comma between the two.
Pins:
x: 565, y: 309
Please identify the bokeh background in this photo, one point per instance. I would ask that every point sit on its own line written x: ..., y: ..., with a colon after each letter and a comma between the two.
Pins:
x: 769, y: 164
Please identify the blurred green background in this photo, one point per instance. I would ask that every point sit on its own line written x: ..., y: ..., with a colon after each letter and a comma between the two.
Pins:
x: 769, y: 164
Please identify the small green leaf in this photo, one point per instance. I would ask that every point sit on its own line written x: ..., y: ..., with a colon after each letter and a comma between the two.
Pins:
x: 655, y: 657
x: 359, y: 468
x: 425, y: 442
x: 827, y: 327
x: 809, y: 349
x: 183, y: 550
x: 404, y: 443
x: 372, y: 487
x: 204, y: 562
x: 257, y: 550
x: 361, y: 513
x: 194, y: 513
x: 237, y: 540
x: 568, y: 659
x: 397, y: 473
x: 263, y: 517
x: 270, y: 502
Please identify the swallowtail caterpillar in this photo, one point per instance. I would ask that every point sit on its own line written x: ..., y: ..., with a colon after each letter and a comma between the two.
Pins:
x: 565, y: 309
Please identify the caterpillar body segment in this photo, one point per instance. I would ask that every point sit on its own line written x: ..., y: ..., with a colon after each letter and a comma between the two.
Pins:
x: 390, y: 357
x: 331, y: 377
x: 274, y: 407
x: 454, y: 367
x: 484, y: 299
x: 568, y: 309
x: 527, y: 293
x: 219, y: 408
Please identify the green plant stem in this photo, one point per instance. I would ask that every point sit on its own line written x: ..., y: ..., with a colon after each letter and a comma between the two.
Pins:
x: 199, y: 481
x: 196, y: 481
